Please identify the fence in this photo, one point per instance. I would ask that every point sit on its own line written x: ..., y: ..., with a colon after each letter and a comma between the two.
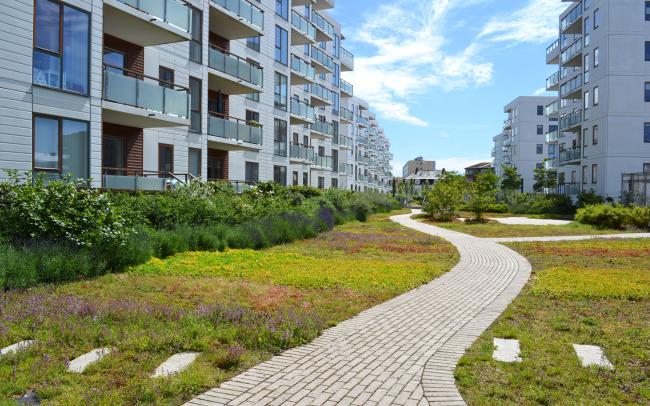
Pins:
x: 635, y: 189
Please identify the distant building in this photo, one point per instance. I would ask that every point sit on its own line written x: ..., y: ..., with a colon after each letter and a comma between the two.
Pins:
x: 418, y: 164
x: 418, y: 181
x: 472, y: 171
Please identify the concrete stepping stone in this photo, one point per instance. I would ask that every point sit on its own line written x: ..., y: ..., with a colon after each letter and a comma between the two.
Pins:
x: 79, y: 365
x: 17, y: 347
x: 506, y: 350
x: 175, y: 364
x: 592, y: 355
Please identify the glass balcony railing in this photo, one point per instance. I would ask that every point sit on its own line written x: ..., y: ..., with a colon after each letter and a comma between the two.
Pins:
x: 553, y: 80
x: 234, y: 129
x: 322, y: 92
x: 303, y: 68
x: 552, y: 136
x: 302, y: 109
x: 571, y: 86
x: 347, y: 88
x: 322, y: 58
x: 570, y: 155
x: 551, y: 164
x: 244, y: 10
x: 322, y: 24
x: 323, y: 127
x: 225, y: 62
x: 324, y: 162
x: 347, y: 58
x: 572, y: 17
x: 363, y: 140
x: 133, y: 89
x: 303, y: 25
x: 302, y: 152
x: 573, y: 50
x: 172, y: 12
x: 570, y: 120
x: 553, y: 47
x: 553, y: 108
x: 346, y: 169
x: 347, y: 114
x: 345, y: 141
x: 363, y: 121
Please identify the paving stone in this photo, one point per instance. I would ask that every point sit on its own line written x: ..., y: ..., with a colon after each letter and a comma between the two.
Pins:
x: 592, y: 355
x: 176, y: 364
x: 506, y: 350
x: 20, y: 346
x: 79, y: 365
x: 419, y: 335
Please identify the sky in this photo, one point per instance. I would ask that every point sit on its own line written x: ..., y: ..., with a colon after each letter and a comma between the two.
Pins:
x: 438, y: 72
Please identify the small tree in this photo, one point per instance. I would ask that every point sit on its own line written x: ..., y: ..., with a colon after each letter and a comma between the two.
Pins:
x: 545, y: 179
x: 482, y: 194
x: 510, y: 181
x: 445, y: 197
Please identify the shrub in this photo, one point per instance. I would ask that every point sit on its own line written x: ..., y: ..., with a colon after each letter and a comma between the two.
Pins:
x: 639, y: 217
x: 604, y: 216
x: 528, y: 203
x: 482, y: 194
x: 445, y: 197
x: 588, y: 199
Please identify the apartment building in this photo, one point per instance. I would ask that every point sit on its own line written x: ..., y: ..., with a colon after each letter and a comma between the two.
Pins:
x: 603, y: 105
x: 522, y: 143
x: 417, y: 165
x: 144, y: 95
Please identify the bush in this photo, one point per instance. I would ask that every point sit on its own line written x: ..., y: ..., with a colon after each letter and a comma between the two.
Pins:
x: 639, y: 217
x: 604, y: 216
x: 528, y: 203
x: 445, y: 197
x: 589, y: 199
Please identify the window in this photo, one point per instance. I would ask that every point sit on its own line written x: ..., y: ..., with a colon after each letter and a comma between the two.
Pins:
x: 194, y: 162
x: 61, y: 146
x: 335, y: 104
x: 646, y: 133
x: 335, y: 160
x: 253, y: 96
x: 586, y: 68
x: 195, y: 105
x: 254, y: 43
x: 596, y: 57
x: 166, y: 77
x: 540, y: 149
x: 647, y: 10
x: 61, y: 47
x: 280, y: 175
x: 282, y: 8
x: 280, y: 138
x: 337, y: 46
x: 540, y: 130
x: 335, y: 183
x: 585, y: 135
x: 252, y: 172
x: 196, y: 40
x: 646, y: 168
x: 597, y: 18
x: 596, y: 96
x: 540, y: 110
x: 281, y: 45
x: 539, y: 165
x: 647, y: 51
x: 305, y: 179
x: 321, y: 182
x: 647, y: 91
x: 594, y: 173
x: 165, y: 158
x: 587, y: 35
x: 295, y: 178
x: 280, y: 91
x: 594, y: 137
x: 586, y: 104
x: 584, y: 175
x: 336, y: 76
x: 252, y: 116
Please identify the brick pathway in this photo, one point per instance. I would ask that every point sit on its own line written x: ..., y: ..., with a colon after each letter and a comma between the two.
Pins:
x: 570, y: 238
x: 402, y: 352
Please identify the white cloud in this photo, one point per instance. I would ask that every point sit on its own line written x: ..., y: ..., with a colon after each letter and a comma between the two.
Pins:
x: 539, y: 92
x: 536, y: 22
x: 410, y: 59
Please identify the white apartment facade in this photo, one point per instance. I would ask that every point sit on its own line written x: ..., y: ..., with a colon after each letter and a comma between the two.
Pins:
x: 139, y: 95
x: 522, y: 144
x: 603, y: 105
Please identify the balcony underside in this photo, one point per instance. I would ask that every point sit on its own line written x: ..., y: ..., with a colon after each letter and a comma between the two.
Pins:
x: 346, y: 93
x: 317, y: 101
x: 574, y: 61
x: 296, y: 3
x: 553, y: 58
x: 344, y: 119
x: 135, y: 26
x: 323, y: 4
x: 299, y: 38
x: 575, y: 27
x: 319, y: 135
x: 137, y: 117
x: 230, y: 85
x: 229, y: 25
x: 553, y: 88
x: 300, y: 161
x: 227, y: 144
x: 574, y: 95
x: 320, y: 68
x: 322, y: 36
x: 346, y: 66
x: 300, y: 80
x: 299, y: 120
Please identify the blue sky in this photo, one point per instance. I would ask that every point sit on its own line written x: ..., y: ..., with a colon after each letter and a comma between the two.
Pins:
x: 438, y: 72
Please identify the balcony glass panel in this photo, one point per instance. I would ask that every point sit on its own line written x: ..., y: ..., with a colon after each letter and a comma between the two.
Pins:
x: 553, y: 47
x: 573, y: 50
x: 298, y: 151
x: 303, y: 25
x: 323, y: 24
x: 170, y: 11
x: 229, y: 128
x: 347, y: 87
x: 347, y: 114
x: 571, y: 17
x: 322, y: 127
x: 302, y: 109
x: 302, y: 67
x: 322, y: 58
x: 235, y: 66
x: 242, y: 8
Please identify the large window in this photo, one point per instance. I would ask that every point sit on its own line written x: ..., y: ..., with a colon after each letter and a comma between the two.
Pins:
x: 280, y: 175
x: 647, y: 92
x: 596, y: 57
x: 165, y: 158
x: 646, y: 133
x: 647, y: 10
x: 594, y: 173
x: 646, y: 168
x: 647, y: 51
x: 61, y: 146
x: 280, y: 138
x: 61, y: 47
x: 281, y: 45
x: 540, y: 110
x: 540, y: 149
x: 194, y: 162
x: 596, y: 96
x: 540, y: 130
x: 252, y: 172
x: 280, y: 91
x: 597, y: 18
x: 196, y: 42
x: 336, y: 76
x: 594, y: 138
x: 195, y: 105
x: 282, y: 8
x: 254, y: 43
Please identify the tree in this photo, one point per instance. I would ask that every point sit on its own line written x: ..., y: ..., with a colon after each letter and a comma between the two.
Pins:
x: 545, y: 179
x: 445, y: 197
x: 482, y: 194
x: 510, y: 181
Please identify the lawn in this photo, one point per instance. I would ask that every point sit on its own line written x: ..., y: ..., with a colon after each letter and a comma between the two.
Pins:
x: 237, y: 308
x: 495, y: 230
x: 589, y: 292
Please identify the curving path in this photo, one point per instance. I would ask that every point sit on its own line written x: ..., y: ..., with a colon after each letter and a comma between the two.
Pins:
x: 402, y: 352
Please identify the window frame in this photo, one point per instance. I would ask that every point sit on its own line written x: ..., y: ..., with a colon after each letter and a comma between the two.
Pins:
x: 596, y: 57
x: 194, y: 41
x: 284, y: 8
x: 59, y: 120
x: 646, y: 133
x: 200, y: 108
x: 284, y: 45
x: 161, y: 146
x: 594, y: 174
x: 285, y: 102
x: 189, y: 154
x: 596, y: 95
x: 539, y: 149
x: 594, y: 135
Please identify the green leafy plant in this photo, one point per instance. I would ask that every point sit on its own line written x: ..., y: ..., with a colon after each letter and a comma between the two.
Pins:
x: 482, y: 194
x: 445, y: 197
x: 510, y: 180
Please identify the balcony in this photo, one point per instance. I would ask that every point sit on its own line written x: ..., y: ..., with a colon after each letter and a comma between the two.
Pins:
x: 570, y: 156
x: 321, y: 62
x: 296, y: 3
x: 136, y: 100
x: 301, y: 112
x: 233, y: 75
x: 346, y: 115
x: 551, y: 164
x: 143, y: 181
x: 324, y: 29
x: 552, y: 82
x: 553, y: 109
x: 363, y: 140
x: 322, y: 130
x: 572, y: 56
x: 346, y: 169
x: 552, y: 136
x: 363, y: 122
x: 569, y: 189
x: 346, y: 142
x: 147, y: 23
x: 363, y: 159
x: 320, y: 96
x: 507, y: 124
x: 303, y: 31
x: 571, y: 122
x: 572, y: 89
x: 236, y: 19
x: 301, y: 153
x: 346, y: 89
x: 322, y: 4
x: 234, y: 134
x: 553, y: 53
x: 347, y: 60
x: 324, y: 162
x: 572, y: 22
x: 302, y: 73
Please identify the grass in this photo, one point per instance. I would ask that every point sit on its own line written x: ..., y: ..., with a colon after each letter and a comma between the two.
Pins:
x: 238, y: 308
x: 589, y: 292
x: 495, y: 230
